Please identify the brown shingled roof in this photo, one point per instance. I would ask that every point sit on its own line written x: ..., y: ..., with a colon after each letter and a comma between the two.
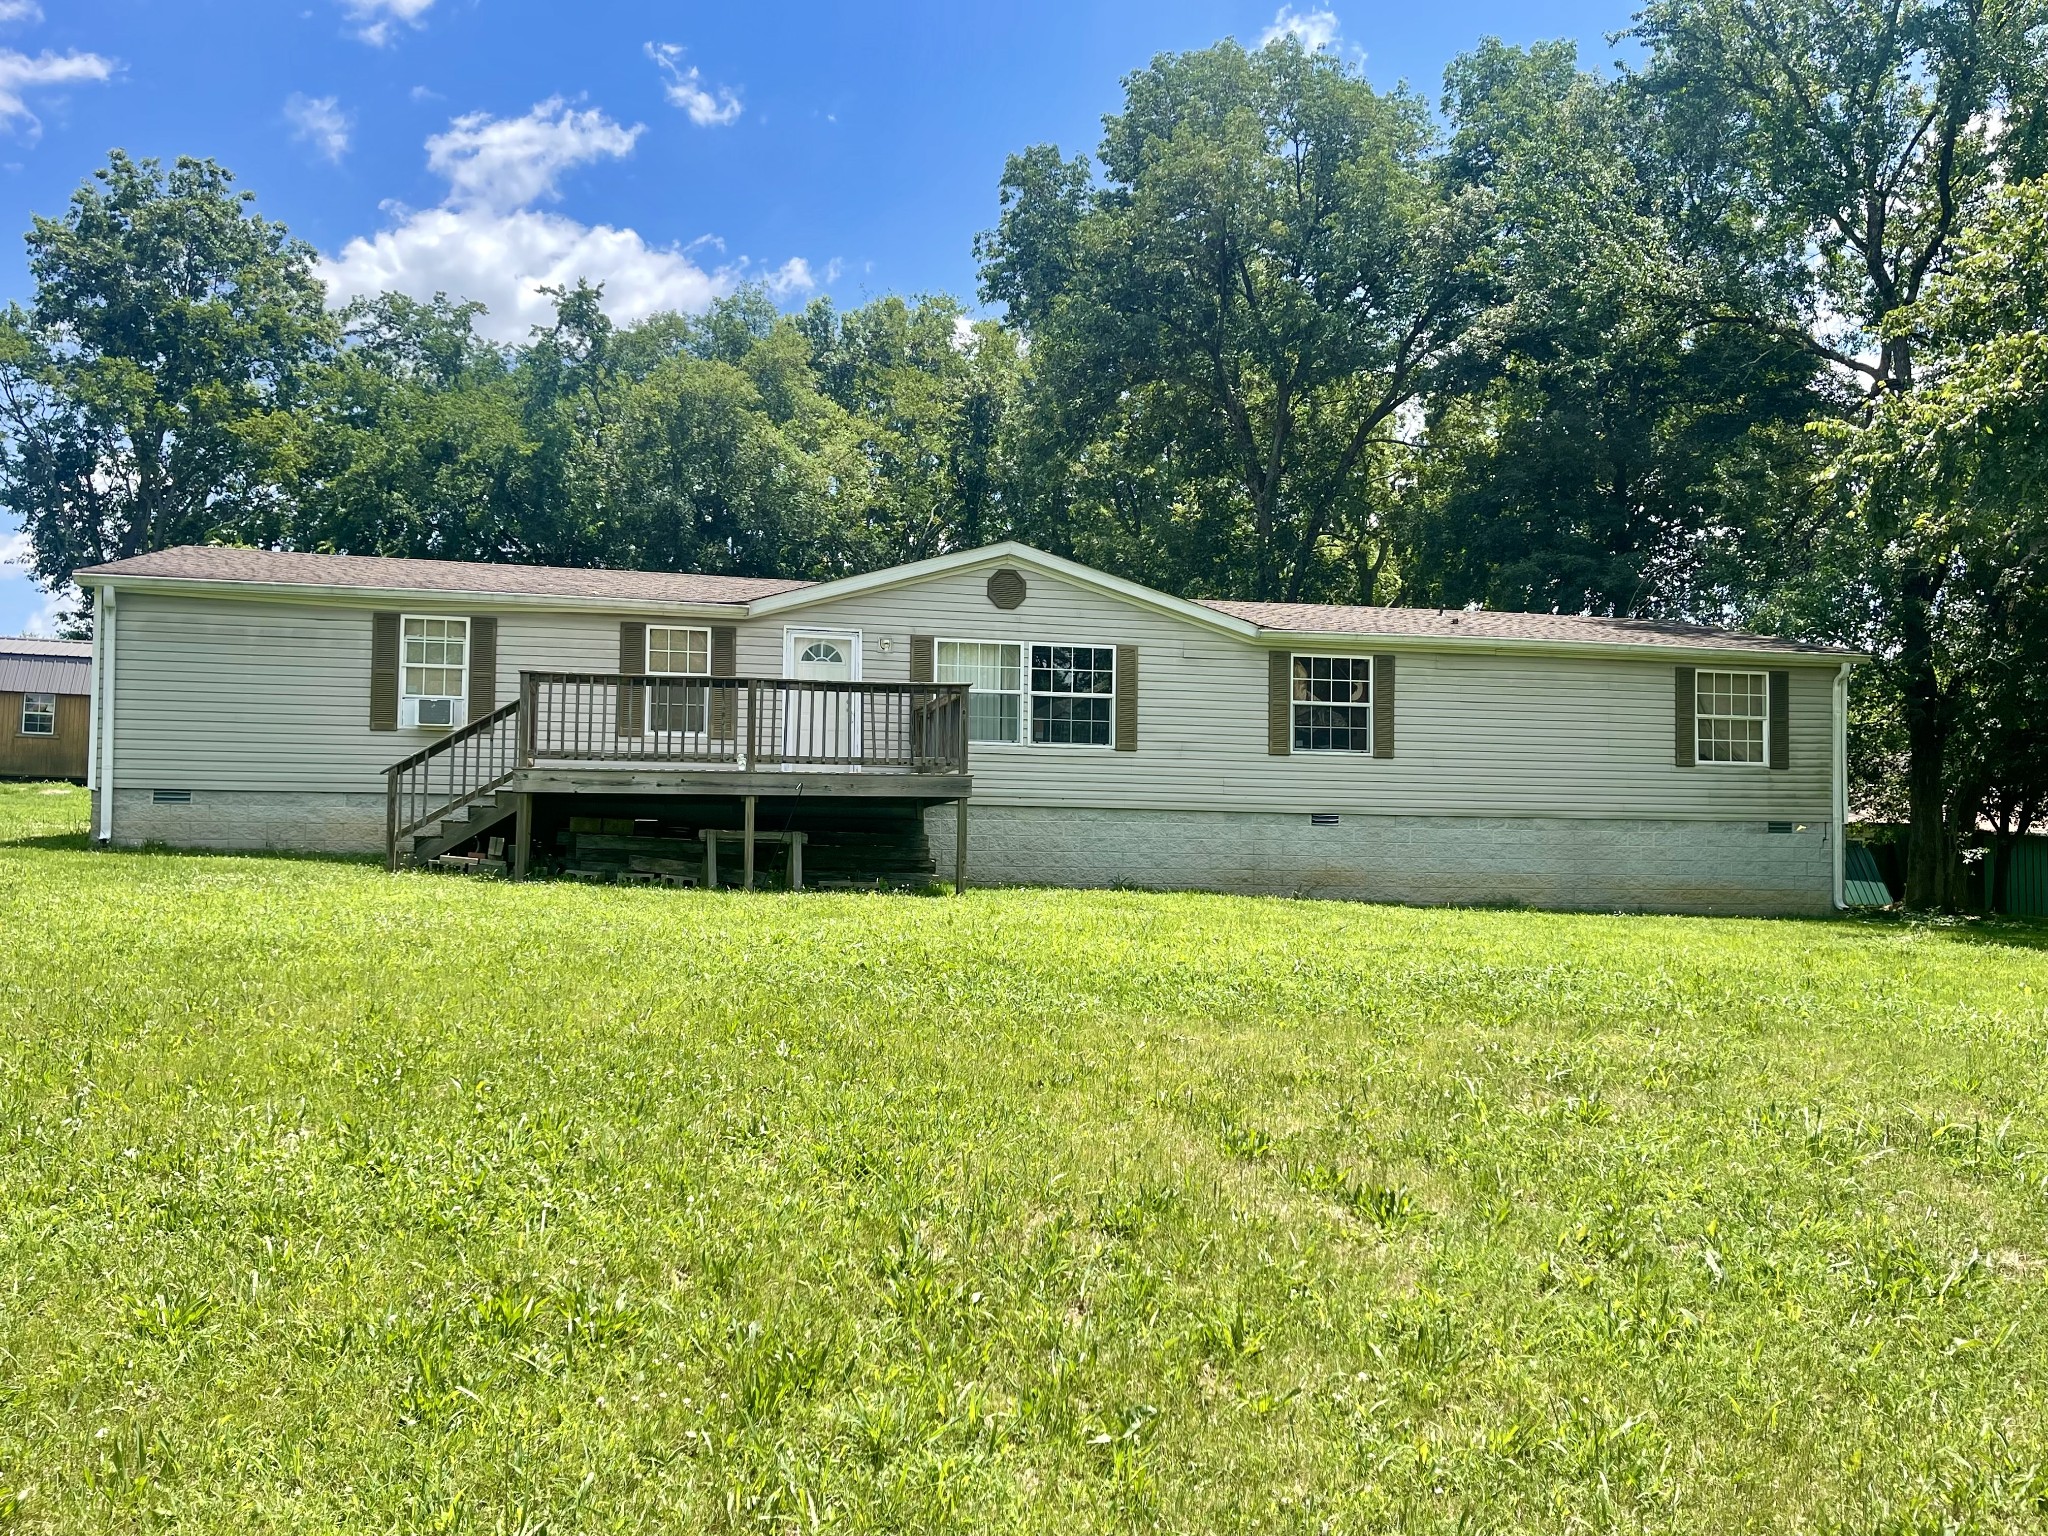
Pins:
x: 273, y: 567
x: 1469, y: 624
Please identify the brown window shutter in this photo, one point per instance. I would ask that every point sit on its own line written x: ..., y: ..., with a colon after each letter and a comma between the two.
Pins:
x: 1383, y: 706
x: 923, y: 665
x: 725, y: 662
x: 631, y: 714
x: 1781, y: 719
x: 1279, y: 703
x: 483, y: 665
x: 1686, y: 743
x: 383, y: 671
x: 1126, y: 685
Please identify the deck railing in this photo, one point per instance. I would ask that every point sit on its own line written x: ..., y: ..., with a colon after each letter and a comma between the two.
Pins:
x: 571, y: 718
x: 462, y: 766
x: 743, y: 722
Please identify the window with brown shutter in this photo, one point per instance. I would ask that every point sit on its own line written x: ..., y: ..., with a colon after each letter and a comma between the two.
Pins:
x: 725, y: 654
x: 483, y: 665
x: 1685, y: 728
x: 922, y: 650
x: 384, y: 671
x: 1383, y: 706
x: 1781, y: 720
x: 1126, y: 698
x: 1279, y: 703
x: 630, y: 712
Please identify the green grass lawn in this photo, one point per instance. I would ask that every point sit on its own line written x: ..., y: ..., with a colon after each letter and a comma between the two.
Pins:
x: 337, y: 1200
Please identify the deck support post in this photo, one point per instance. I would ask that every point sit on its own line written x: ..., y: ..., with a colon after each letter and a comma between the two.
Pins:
x: 960, y: 848
x: 796, y: 861
x: 522, y: 836
x: 747, y: 848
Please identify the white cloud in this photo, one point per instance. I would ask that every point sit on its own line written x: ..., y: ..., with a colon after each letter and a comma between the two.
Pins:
x: 503, y: 259
x: 485, y: 242
x: 19, y: 73
x: 1314, y: 30
x: 506, y: 163
x: 14, y: 548
x: 320, y: 122
x: 708, y: 106
x: 379, y: 17
x: 20, y: 10
x: 794, y: 276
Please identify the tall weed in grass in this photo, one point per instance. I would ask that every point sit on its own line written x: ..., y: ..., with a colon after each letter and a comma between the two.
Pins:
x: 332, y: 1200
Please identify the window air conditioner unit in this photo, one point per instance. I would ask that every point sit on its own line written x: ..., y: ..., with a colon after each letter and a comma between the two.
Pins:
x: 432, y: 712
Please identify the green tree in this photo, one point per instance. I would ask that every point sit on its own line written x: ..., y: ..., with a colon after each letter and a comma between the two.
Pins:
x: 1226, y: 323
x: 1589, y: 454
x: 1823, y: 156
x: 142, y: 390
x: 1967, y: 449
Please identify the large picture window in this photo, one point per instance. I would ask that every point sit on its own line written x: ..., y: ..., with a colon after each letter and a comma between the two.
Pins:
x: 436, y: 658
x: 994, y: 675
x: 1073, y: 689
x: 1332, y: 699
x: 39, y: 714
x: 1729, y: 713
x: 678, y: 651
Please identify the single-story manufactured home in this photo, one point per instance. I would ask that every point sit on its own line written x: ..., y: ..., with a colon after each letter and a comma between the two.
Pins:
x: 45, y: 707
x: 1066, y: 726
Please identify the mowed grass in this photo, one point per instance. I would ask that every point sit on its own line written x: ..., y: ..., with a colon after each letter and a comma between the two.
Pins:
x: 333, y: 1200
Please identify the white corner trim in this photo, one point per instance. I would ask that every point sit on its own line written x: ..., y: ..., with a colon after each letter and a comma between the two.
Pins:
x: 1840, y: 776
x: 106, y: 627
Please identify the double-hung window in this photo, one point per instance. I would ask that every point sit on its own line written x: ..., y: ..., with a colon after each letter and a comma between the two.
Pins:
x: 1073, y: 695
x: 1730, y: 711
x: 39, y: 714
x: 677, y: 651
x: 433, y: 674
x: 1332, y: 703
x: 994, y: 675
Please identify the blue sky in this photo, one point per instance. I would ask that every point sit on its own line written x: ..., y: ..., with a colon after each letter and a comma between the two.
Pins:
x: 672, y: 150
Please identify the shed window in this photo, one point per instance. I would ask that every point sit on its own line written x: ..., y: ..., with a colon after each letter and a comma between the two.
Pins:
x: 39, y: 714
x: 994, y: 675
x: 435, y: 663
x: 1073, y: 694
x: 1730, y: 710
x: 1332, y: 701
x: 678, y: 651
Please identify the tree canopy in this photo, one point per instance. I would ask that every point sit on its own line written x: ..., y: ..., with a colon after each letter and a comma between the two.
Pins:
x: 1749, y: 331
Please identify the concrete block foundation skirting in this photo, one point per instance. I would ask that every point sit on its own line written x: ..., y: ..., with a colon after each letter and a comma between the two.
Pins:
x: 276, y: 820
x: 1598, y: 865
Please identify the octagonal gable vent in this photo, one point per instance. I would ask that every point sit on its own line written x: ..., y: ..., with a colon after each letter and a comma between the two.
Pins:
x: 1006, y: 588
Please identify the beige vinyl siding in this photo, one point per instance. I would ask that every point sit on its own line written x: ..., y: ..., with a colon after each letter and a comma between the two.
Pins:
x: 218, y: 693
x: 1494, y: 734
x: 258, y: 694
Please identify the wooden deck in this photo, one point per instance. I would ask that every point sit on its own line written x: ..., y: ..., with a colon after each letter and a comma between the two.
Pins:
x: 746, y: 739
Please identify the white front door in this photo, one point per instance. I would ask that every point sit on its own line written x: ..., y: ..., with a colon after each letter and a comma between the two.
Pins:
x: 821, y: 724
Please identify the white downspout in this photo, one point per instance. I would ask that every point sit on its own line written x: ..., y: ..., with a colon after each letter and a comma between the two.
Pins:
x: 92, y: 716
x: 1841, y: 784
x: 105, y: 632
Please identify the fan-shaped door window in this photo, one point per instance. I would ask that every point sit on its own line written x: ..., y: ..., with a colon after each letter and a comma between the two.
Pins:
x: 826, y: 658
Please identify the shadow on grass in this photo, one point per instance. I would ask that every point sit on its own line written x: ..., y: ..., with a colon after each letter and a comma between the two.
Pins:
x: 1961, y: 928
x: 80, y: 842
x: 71, y: 842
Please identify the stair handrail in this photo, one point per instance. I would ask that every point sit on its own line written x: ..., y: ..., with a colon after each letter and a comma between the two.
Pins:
x: 479, y: 758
